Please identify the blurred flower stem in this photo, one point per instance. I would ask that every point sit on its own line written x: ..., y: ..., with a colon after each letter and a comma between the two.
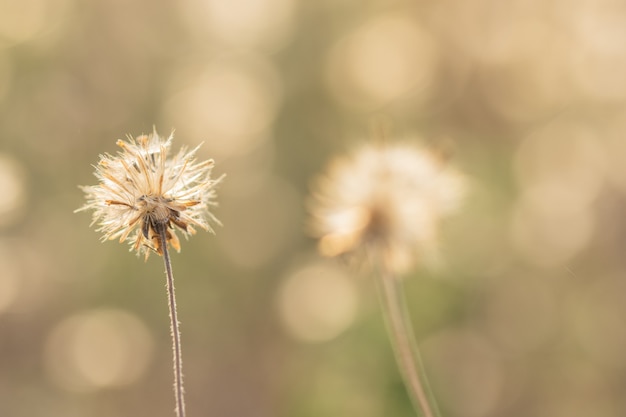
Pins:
x: 400, y: 330
x: 176, y: 345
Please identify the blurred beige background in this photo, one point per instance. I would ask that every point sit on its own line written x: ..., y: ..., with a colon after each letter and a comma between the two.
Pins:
x: 525, y: 318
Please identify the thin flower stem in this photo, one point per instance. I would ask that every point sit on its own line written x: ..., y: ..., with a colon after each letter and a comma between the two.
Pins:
x: 401, y: 335
x: 176, y: 345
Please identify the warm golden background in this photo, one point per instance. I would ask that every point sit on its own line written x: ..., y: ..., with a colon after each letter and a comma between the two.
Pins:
x: 526, y: 316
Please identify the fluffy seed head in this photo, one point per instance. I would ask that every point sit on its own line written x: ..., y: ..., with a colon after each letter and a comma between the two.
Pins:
x: 141, y: 190
x: 385, y: 198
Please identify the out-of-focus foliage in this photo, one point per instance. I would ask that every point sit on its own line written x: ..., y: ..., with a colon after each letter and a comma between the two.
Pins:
x: 524, y: 317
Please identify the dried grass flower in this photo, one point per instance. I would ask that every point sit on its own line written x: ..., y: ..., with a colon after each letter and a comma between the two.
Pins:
x: 389, y: 198
x: 385, y: 202
x: 142, y: 187
x: 144, y: 195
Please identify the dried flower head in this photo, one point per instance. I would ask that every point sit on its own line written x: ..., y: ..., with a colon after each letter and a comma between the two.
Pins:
x: 141, y: 190
x: 388, y: 198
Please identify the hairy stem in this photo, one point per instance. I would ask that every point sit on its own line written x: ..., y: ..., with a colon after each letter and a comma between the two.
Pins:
x: 176, y: 346
x: 401, y: 335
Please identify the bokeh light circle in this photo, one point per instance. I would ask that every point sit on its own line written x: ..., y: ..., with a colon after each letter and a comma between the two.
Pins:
x: 386, y: 58
x: 12, y: 189
x: 230, y: 104
x: 267, y: 24
x: 97, y: 349
x: 317, y: 302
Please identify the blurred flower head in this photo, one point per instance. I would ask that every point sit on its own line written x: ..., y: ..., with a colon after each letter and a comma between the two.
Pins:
x: 384, y: 198
x: 141, y: 190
